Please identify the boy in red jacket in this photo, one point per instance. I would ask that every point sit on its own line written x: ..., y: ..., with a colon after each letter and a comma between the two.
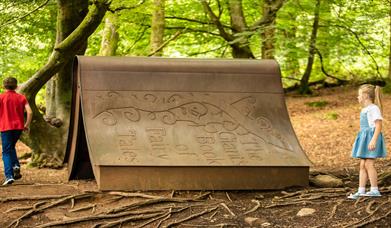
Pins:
x: 12, y: 107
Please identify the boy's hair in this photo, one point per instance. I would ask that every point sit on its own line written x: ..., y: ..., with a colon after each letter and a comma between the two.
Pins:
x: 10, y: 83
x: 373, y: 93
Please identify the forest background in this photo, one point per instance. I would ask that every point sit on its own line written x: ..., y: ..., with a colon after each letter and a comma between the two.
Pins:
x: 317, y: 43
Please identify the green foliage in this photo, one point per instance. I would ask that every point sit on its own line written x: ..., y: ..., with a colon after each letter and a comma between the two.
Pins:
x: 331, y: 116
x: 387, y: 88
x: 26, y: 43
x: 317, y: 104
x: 352, y: 37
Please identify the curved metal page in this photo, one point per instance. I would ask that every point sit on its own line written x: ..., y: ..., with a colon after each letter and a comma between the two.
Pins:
x: 186, y: 112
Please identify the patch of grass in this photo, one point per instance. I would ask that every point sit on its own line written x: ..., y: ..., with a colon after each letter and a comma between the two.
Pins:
x: 317, y: 104
x: 331, y: 116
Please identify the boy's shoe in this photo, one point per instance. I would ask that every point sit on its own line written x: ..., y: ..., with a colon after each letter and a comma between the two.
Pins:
x: 8, y: 181
x: 372, y: 194
x: 355, y: 195
x: 17, y: 174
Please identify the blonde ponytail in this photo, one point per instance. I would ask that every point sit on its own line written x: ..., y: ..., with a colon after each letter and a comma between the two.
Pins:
x: 378, y: 98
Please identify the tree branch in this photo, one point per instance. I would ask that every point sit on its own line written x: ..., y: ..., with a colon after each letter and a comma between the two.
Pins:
x: 126, y: 7
x: 268, y: 16
x: 65, y: 50
x: 176, y: 35
x: 216, y: 21
x: 195, y: 21
x: 323, y: 69
x: 362, y: 45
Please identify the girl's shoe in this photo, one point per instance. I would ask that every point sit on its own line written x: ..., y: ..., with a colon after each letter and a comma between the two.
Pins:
x: 372, y: 194
x: 355, y: 195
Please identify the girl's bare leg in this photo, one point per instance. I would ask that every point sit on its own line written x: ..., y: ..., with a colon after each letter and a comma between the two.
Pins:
x: 372, y: 174
x: 363, y: 173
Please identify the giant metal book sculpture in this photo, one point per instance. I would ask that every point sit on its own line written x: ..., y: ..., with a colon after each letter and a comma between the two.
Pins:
x: 156, y: 124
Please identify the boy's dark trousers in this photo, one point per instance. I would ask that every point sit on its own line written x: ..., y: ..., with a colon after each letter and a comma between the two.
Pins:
x: 10, y: 160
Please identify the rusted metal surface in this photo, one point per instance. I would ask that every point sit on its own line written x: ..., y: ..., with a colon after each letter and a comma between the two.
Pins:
x: 155, y: 123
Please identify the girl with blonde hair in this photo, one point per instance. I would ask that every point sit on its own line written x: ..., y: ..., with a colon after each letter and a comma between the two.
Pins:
x: 369, y: 143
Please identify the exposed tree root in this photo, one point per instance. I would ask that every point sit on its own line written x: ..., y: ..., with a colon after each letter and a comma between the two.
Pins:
x: 163, y: 219
x: 156, y: 201
x: 154, y: 212
x: 373, y: 220
x: 49, y: 205
x: 26, y: 207
x: 335, y: 209
x: 20, y: 198
x: 83, y: 208
x: 130, y: 218
x: 155, y: 219
x: 135, y: 194
x: 191, y: 217
x: 221, y: 225
x: 362, y: 221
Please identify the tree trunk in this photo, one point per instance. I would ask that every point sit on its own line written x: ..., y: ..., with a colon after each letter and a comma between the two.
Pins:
x: 270, y: 9
x: 157, y: 33
x: 240, y: 47
x: 51, y: 152
x: 389, y: 54
x: 110, y: 36
x: 304, y: 88
x: 239, y: 44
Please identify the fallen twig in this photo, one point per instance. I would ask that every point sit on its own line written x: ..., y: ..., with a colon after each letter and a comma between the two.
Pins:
x: 229, y: 198
x: 258, y: 204
x: 227, y: 208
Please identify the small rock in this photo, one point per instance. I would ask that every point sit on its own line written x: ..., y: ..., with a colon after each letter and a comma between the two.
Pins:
x: 326, y: 181
x: 256, y: 222
x: 305, y: 212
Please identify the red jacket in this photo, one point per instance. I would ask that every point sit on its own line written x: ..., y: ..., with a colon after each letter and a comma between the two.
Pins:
x: 12, y: 111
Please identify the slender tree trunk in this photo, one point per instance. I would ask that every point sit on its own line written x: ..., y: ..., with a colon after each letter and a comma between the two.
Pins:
x: 110, y: 36
x: 48, y: 141
x: 292, y: 63
x: 304, y: 88
x: 157, y: 33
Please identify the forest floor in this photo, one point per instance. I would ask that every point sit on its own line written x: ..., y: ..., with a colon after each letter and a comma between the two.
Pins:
x: 44, y: 197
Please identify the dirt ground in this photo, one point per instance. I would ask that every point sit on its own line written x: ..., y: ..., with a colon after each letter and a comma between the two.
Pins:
x: 44, y: 197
